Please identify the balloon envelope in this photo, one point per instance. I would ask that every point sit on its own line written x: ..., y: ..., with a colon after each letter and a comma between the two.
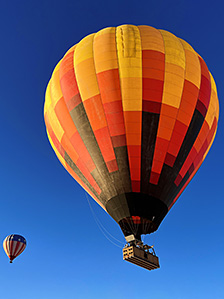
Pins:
x: 131, y: 113
x: 14, y: 245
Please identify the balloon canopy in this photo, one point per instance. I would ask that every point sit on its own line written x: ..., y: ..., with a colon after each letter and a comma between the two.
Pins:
x: 131, y: 113
x: 14, y: 245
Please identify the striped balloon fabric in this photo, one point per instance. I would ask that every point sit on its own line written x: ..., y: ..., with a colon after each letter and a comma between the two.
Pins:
x: 14, y: 245
x: 131, y: 112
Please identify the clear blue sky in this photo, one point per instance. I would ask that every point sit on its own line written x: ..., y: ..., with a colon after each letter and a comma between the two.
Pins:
x: 67, y: 255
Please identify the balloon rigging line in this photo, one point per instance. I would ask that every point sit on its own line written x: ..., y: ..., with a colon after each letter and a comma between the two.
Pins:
x: 101, y: 227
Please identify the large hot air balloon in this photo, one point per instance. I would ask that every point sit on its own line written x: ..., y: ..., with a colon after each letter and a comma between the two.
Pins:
x: 131, y: 113
x: 14, y: 245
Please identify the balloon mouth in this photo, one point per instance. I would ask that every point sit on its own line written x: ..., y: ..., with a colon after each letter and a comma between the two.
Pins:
x: 137, y: 213
x: 11, y: 259
x: 137, y: 226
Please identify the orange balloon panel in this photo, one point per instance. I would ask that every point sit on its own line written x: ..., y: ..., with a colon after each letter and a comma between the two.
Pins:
x: 131, y: 113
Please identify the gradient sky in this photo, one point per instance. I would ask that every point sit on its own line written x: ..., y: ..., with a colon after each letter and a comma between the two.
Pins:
x: 67, y: 255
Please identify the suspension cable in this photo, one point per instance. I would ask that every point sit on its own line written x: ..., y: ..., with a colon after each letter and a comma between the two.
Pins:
x: 102, y: 228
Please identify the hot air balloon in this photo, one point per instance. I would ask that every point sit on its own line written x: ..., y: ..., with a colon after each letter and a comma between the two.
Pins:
x: 14, y: 245
x: 131, y: 113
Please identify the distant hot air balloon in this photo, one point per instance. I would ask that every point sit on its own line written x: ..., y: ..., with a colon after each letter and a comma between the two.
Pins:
x: 14, y: 245
x: 131, y: 112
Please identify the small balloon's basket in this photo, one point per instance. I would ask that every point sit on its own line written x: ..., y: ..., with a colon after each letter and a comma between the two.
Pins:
x: 141, y: 255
